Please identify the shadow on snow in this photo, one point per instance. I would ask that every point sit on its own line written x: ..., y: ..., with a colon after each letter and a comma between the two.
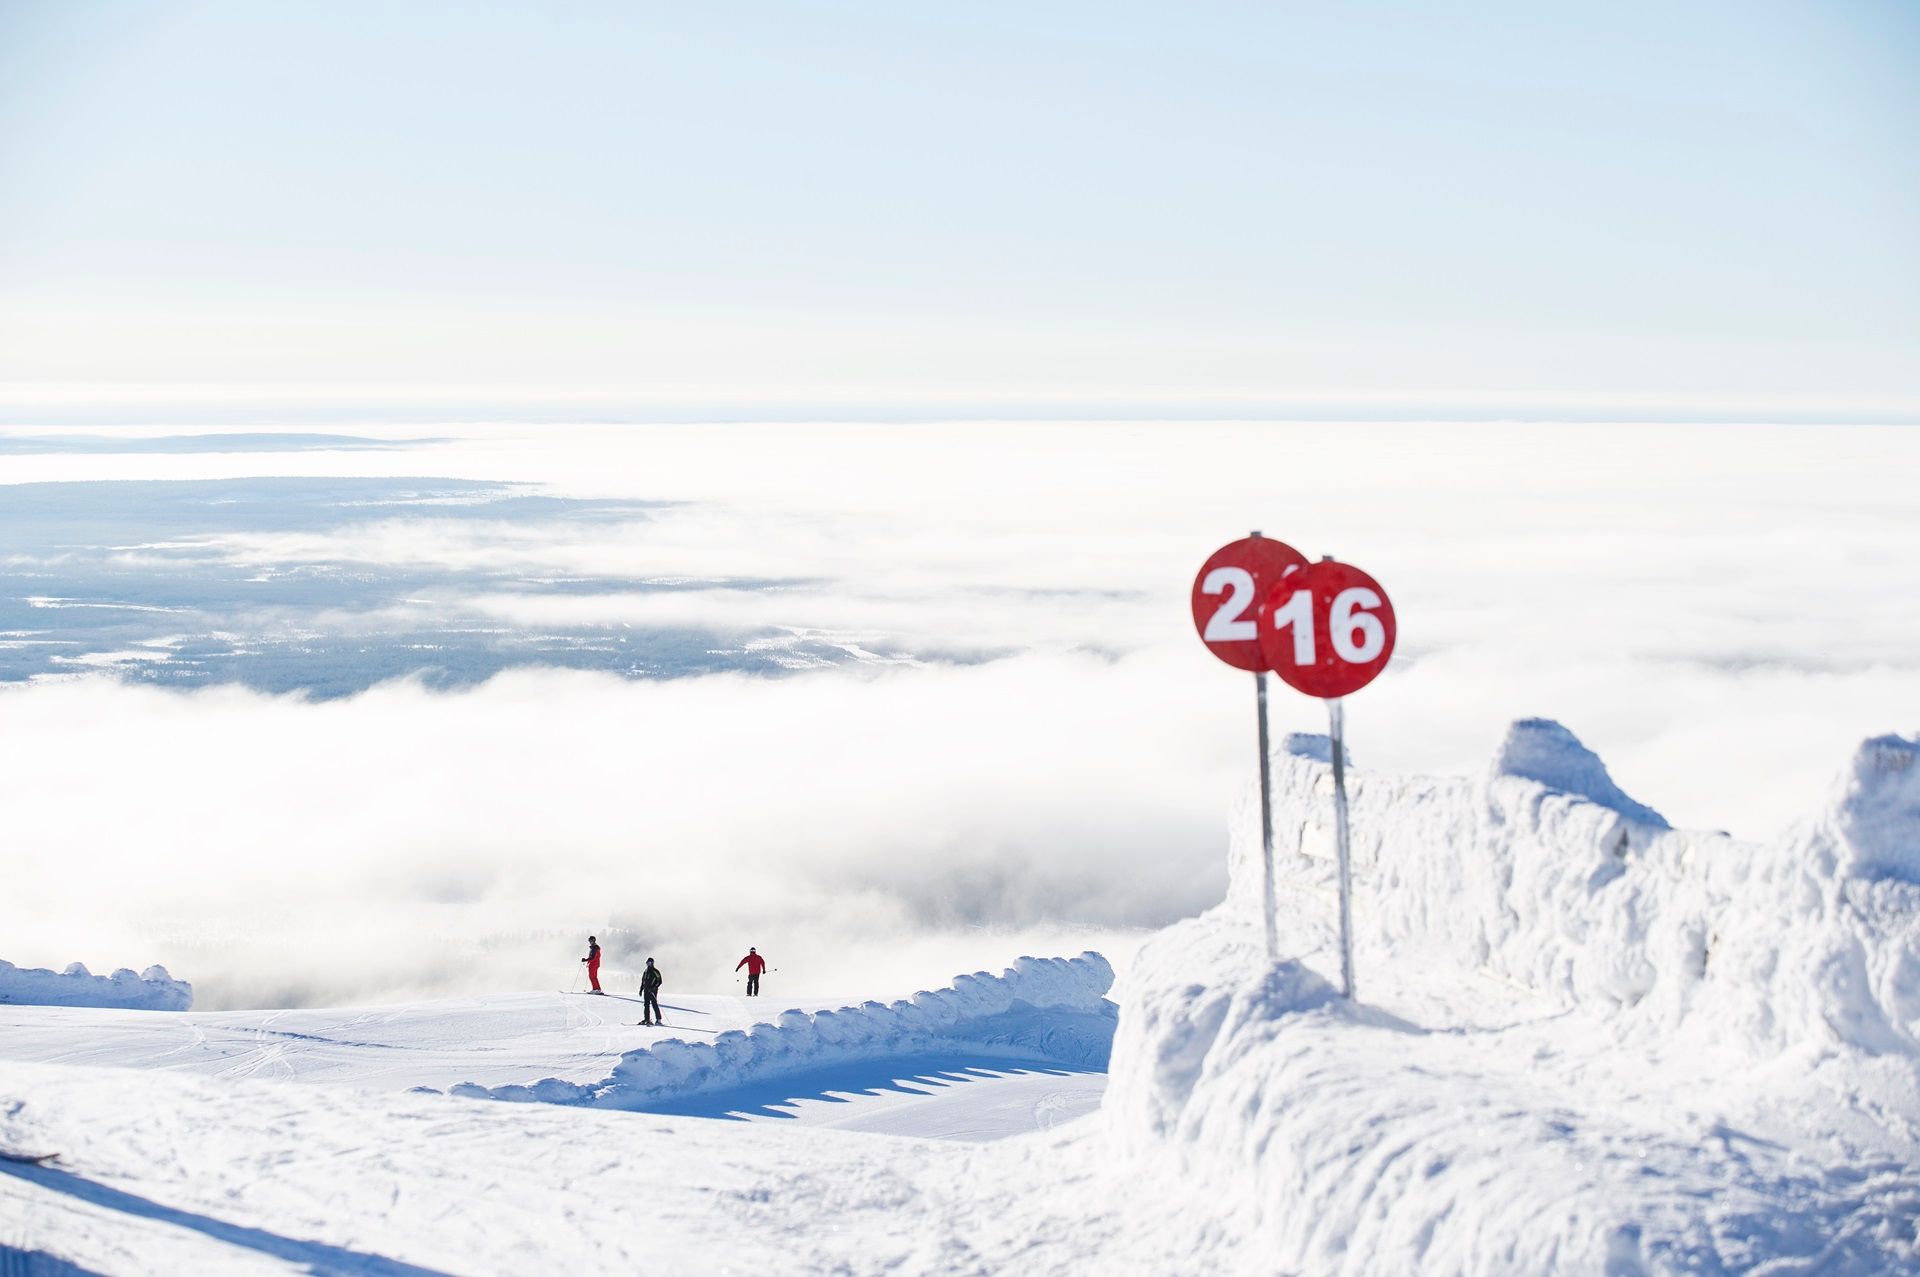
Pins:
x: 320, y: 1256
x: 918, y: 1076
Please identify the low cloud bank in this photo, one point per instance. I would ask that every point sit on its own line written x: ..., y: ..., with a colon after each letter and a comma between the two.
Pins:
x: 871, y: 830
x: 1051, y: 775
x: 863, y: 831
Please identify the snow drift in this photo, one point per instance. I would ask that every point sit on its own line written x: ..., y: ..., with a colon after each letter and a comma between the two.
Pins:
x: 1543, y: 874
x: 1046, y: 1009
x: 1612, y: 1046
x: 149, y: 990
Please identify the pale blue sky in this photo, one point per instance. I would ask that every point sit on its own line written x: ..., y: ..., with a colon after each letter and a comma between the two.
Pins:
x: 1714, y: 200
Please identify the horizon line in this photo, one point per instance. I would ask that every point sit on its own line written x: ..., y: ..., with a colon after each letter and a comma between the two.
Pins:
x: 58, y: 404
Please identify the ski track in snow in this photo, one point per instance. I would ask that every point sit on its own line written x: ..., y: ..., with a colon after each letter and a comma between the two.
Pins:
x: 499, y: 1039
x: 191, y: 1174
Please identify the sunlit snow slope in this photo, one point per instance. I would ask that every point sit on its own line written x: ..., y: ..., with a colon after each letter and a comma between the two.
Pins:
x: 988, y: 1057
x: 1051, y: 1009
x: 1585, y: 1042
x: 499, y: 1038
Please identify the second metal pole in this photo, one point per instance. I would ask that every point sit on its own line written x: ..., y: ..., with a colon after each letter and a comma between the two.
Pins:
x: 1266, y: 827
x: 1336, y: 720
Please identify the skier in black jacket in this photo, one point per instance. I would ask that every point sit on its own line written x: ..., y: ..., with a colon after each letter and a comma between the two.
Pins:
x: 650, y: 996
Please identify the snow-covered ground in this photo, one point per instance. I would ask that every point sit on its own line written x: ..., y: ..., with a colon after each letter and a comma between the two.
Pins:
x: 199, y: 1175
x: 1045, y: 1009
x: 988, y: 1058
x: 495, y: 1040
x: 979, y: 1061
x: 1585, y: 1042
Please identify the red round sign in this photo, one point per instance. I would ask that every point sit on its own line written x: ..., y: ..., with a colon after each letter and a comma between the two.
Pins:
x: 1326, y: 629
x: 1228, y: 592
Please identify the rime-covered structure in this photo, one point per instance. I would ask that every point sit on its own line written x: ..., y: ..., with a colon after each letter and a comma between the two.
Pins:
x: 149, y: 990
x: 1585, y: 1041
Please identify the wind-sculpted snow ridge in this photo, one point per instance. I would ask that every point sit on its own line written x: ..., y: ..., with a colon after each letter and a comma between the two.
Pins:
x: 149, y: 990
x: 1043, y: 1009
x: 1542, y: 873
x: 1705, y: 1055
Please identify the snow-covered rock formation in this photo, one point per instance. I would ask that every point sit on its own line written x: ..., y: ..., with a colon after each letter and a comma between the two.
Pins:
x: 149, y: 990
x: 1584, y: 1041
x: 1046, y: 1009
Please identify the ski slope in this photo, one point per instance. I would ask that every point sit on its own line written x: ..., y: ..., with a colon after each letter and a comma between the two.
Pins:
x: 497, y: 1039
x: 1585, y: 1042
x: 186, y: 1174
x: 940, y: 1087
x: 166, y: 1097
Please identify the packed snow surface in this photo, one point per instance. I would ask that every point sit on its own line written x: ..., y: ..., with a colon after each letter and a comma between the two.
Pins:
x: 1049, y: 1009
x: 1584, y: 1042
x: 499, y: 1038
x: 1025, y: 1069
x: 149, y: 990
x: 163, y: 1173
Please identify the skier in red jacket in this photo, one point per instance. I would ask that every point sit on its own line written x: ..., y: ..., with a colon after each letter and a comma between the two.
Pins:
x: 593, y: 964
x: 754, y: 964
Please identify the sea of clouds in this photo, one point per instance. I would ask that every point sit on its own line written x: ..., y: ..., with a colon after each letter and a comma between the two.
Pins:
x: 407, y: 711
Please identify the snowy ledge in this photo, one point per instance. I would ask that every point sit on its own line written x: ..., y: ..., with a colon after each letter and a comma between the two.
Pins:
x: 1040, y: 1009
x: 1541, y: 873
x: 149, y: 990
x: 1612, y: 1046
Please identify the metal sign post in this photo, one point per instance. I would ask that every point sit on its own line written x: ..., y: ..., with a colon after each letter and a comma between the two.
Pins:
x: 1336, y: 723
x: 1328, y: 631
x: 1266, y: 824
x: 1226, y: 611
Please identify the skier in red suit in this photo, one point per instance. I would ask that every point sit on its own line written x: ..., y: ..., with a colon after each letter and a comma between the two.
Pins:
x: 593, y: 963
x: 754, y: 964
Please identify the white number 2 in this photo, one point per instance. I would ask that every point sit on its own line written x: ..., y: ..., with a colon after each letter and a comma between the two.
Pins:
x: 1227, y: 623
x: 1357, y: 634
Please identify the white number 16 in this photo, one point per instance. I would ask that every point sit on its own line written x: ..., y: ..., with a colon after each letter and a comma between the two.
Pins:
x: 1357, y: 634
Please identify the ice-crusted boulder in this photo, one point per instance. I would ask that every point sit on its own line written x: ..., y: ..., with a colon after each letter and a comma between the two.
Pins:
x: 1777, y: 983
x: 149, y: 990
x: 1541, y: 750
x: 1876, y: 810
x: 1051, y: 1009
